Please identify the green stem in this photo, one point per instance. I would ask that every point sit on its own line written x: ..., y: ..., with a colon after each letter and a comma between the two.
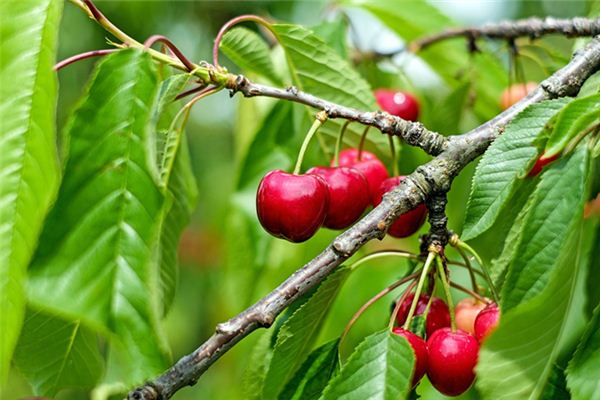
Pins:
x: 338, y: 144
x: 399, y: 304
x: 383, y: 253
x: 430, y: 257
x: 470, y: 268
x: 395, y: 170
x: 361, y: 144
x: 446, y: 285
x: 321, y: 118
x: 488, y: 277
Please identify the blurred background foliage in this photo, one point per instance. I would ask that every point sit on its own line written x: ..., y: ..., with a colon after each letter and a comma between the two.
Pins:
x: 227, y: 261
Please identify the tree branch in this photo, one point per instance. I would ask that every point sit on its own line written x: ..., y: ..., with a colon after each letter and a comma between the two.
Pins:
x: 432, y: 178
x: 531, y: 27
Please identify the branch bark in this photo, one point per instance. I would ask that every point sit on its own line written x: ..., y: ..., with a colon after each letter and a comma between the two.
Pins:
x: 432, y: 178
x: 531, y: 27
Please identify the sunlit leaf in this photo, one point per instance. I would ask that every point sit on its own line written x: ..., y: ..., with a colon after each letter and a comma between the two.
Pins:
x: 583, y: 370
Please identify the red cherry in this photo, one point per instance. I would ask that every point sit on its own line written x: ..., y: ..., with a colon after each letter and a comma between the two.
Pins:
x: 407, y: 223
x: 420, y: 349
x: 369, y: 165
x: 291, y: 206
x: 516, y: 92
x: 437, y: 318
x: 541, y: 163
x: 451, y: 361
x: 487, y: 321
x: 348, y: 195
x: 400, y: 104
x: 466, y: 311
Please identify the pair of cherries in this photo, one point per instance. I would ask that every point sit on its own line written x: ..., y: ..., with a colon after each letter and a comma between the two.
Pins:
x: 448, y: 357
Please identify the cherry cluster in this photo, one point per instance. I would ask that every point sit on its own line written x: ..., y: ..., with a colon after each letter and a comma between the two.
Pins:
x: 449, y: 356
x: 294, y: 206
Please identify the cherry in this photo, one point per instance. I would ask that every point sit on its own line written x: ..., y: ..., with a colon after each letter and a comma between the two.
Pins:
x: 541, y: 163
x: 369, y: 165
x: 487, y: 321
x: 400, y: 104
x: 466, y: 311
x: 407, y: 223
x: 516, y: 92
x: 451, y: 359
x: 419, y: 348
x: 291, y: 206
x: 348, y: 195
x: 437, y: 318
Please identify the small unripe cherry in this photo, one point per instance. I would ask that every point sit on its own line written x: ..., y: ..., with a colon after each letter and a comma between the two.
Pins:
x: 348, y: 195
x: 452, y: 357
x: 419, y: 348
x: 487, y: 321
x: 369, y: 165
x: 516, y: 92
x: 540, y: 163
x: 291, y: 207
x: 398, y: 103
x: 437, y: 318
x: 465, y: 313
x: 409, y: 222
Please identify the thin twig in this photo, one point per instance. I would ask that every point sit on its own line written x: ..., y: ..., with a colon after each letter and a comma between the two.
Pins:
x: 83, y: 56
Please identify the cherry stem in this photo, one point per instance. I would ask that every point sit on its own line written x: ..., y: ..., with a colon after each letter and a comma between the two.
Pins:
x: 469, y: 292
x: 577, y: 139
x: 162, y: 39
x: 190, y: 91
x: 229, y: 24
x: 373, y: 300
x: 430, y: 258
x: 395, y: 170
x: 383, y: 253
x: 399, y: 304
x: 320, y: 119
x: 463, y: 265
x: 338, y: 144
x: 488, y: 277
x: 83, y: 56
x: 428, y: 306
x: 446, y: 285
x: 361, y: 144
x: 470, y: 268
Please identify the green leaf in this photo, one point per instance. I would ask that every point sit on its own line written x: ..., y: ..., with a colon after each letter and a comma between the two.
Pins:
x: 556, y: 387
x: 379, y: 368
x: 503, y: 166
x: 573, y: 119
x: 591, y: 85
x: 258, y: 366
x: 250, y: 52
x: 554, y: 211
x: 314, y: 374
x: 29, y: 171
x: 584, y: 367
x: 54, y: 354
x: 96, y: 260
x: 298, y: 334
x: 334, y: 33
x: 513, y: 365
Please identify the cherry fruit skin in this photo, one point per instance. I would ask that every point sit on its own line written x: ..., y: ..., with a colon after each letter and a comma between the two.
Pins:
x: 437, y: 318
x: 541, y: 163
x: 420, y: 349
x: 400, y: 104
x: 292, y: 207
x: 407, y: 223
x: 348, y: 195
x: 369, y: 165
x: 451, y: 361
x: 487, y: 321
x: 515, y: 92
x: 466, y: 311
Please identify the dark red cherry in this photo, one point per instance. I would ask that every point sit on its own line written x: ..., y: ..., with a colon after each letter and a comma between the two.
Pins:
x: 451, y: 360
x: 369, y: 165
x: 291, y: 206
x: 407, y: 223
x: 400, y: 104
x: 420, y: 349
x: 486, y: 321
x: 348, y: 195
x: 541, y: 163
x: 437, y: 318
